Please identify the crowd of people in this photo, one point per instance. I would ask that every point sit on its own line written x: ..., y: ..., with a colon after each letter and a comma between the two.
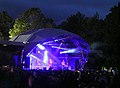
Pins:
x: 14, y: 78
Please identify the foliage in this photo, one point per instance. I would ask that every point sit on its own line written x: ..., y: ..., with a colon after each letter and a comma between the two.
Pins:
x: 112, y: 36
x: 88, y: 28
x: 93, y: 30
x: 74, y: 23
x: 5, y: 25
x: 30, y: 20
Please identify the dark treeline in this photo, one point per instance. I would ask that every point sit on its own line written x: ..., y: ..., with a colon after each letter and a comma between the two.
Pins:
x: 102, y: 34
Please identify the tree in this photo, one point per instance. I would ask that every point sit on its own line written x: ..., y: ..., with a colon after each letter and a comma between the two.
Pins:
x: 5, y: 25
x: 112, y: 36
x: 74, y: 23
x: 30, y: 20
x: 94, y: 29
x: 87, y: 27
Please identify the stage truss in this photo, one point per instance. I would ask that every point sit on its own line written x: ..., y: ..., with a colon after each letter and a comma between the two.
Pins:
x: 61, y: 52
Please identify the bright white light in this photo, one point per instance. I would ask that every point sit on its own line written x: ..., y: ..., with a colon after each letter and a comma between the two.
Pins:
x: 41, y: 47
x: 45, y: 57
x: 28, y: 54
x: 56, y: 40
x: 50, y: 61
x: 38, y: 51
x: 70, y: 51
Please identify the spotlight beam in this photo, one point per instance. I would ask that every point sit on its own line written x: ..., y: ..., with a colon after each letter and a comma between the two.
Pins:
x: 35, y: 57
x: 77, y: 49
x: 40, y: 47
x: 45, y: 57
x: 55, y: 40
x: 70, y: 51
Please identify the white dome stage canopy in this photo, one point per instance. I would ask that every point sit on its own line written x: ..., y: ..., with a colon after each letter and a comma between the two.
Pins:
x: 53, y: 48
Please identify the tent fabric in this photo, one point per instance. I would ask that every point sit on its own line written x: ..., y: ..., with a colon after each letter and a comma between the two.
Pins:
x: 9, y: 43
x: 40, y: 35
x: 31, y: 38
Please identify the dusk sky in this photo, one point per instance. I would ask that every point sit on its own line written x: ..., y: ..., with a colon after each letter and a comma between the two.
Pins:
x: 59, y: 10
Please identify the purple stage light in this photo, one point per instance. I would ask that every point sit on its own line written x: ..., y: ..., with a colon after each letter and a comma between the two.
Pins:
x: 34, y: 61
x: 34, y: 57
x: 52, y: 52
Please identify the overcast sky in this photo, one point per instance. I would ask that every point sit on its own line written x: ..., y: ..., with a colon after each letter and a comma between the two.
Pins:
x: 59, y: 10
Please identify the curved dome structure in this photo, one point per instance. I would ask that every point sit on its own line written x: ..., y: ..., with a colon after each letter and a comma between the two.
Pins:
x: 50, y: 47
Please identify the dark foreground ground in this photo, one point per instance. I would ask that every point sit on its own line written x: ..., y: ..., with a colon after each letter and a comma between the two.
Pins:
x: 58, y: 79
